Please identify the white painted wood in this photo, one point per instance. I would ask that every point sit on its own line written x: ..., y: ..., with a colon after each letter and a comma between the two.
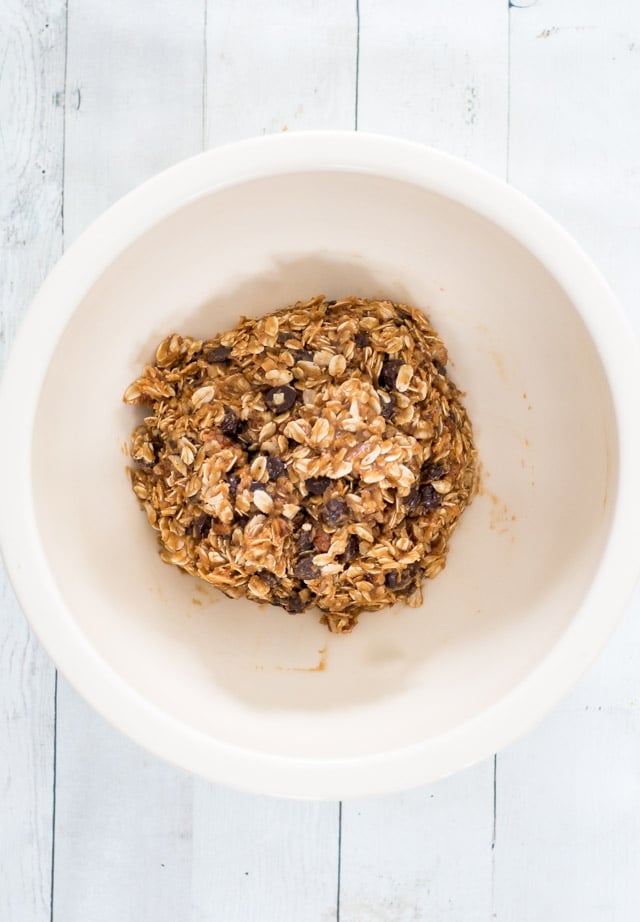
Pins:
x: 132, y: 838
x: 123, y: 825
x: 134, y: 105
x: 269, y: 68
x: 437, y: 73
x: 279, y: 67
x: 568, y: 831
x: 31, y: 73
x: 134, y: 97
x: 422, y: 855
x: 258, y: 859
x: 575, y: 135
x: 135, y: 838
x: 434, y: 73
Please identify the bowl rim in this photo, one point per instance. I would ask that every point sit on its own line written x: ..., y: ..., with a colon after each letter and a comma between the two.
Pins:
x: 23, y: 551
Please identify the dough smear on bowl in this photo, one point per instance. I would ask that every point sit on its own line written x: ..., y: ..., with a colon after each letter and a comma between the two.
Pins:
x: 318, y: 455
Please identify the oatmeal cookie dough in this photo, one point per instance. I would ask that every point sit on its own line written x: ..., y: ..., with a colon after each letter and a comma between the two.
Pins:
x: 319, y: 455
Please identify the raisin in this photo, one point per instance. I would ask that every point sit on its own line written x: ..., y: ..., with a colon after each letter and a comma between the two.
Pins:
x: 401, y: 580
x: 281, y: 398
x: 321, y: 541
x: 244, y: 434
x: 269, y: 578
x: 218, y: 355
x: 412, y: 501
x: 157, y: 445
x: 302, y: 355
x: 283, y: 336
x: 431, y: 472
x: 352, y: 550
x: 317, y: 485
x: 389, y: 374
x: 201, y: 526
x: 234, y: 481
x: 275, y: 468
x: 231, y: 423
x: 391, y: 580
x: 429, y: 498
x: 362, y: 340
x: 306, y: 569
x: 388, y: 404
x: 294, y: 603
x: 330, y: 303
x: 304, y: 542
x: 334, y: 511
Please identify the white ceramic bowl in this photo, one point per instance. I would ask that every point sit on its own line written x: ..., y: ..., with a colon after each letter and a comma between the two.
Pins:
x: 539, y: 570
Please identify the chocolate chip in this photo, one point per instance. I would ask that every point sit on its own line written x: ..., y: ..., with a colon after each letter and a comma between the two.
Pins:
x: 201, y: 526
x: 304, y: 542
x: 431, y: 472
x: 389, y: 374
x: 294, y: 603
x: 256, y: 485
x: 306, y: 569
x: 388, y: 404
x: 352, y: 550
x: 317, y: 485
x: 302, y: 355
x: 440, y: 368
x: 280, y: 398
x: 231, y: 423
x: 275, y: 468
x: 218, y: 355
x: 429, y: 498
x: 330, y: 303
x: 334, y: 511
x: 362, y: 340
x: 283, y: 336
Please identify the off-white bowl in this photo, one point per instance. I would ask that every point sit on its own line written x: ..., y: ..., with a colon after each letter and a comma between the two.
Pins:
x: 540, y: 567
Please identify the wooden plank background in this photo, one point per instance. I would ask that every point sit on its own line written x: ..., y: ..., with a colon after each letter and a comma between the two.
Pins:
x: 96, y: 97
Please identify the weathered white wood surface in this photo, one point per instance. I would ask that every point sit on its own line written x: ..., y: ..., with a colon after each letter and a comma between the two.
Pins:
x: 568, y: 833
x: 94, y: 98
x: 32, y: 40
x: 439, y: 77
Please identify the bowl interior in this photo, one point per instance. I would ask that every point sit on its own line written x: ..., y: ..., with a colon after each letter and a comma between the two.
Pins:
x: 521, y: 561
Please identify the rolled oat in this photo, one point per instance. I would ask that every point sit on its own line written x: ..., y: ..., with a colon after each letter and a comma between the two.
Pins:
x: 319, y: 455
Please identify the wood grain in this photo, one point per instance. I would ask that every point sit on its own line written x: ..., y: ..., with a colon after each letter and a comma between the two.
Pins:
x: 279, y: 67
x: 436, y: 74
x: 258, y: 859
x: 134, y: 98
x: 134, y: 106
x: 547, y: 91
x: 32, y: 40
x: 132, y: 826
x: 569, y: 793
x: 426, y: 854
x: 268, y: 70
